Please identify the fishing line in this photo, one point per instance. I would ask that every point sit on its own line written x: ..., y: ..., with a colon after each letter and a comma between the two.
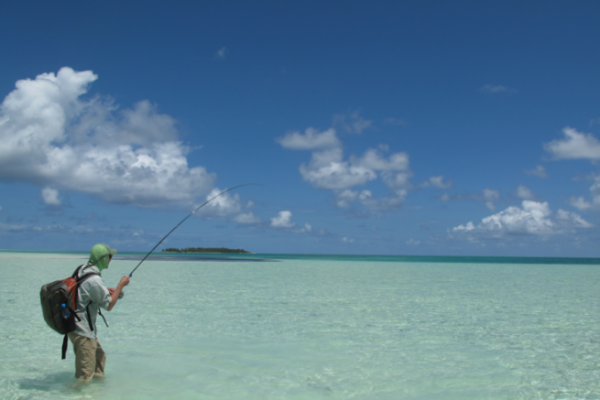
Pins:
x: 183, y: 220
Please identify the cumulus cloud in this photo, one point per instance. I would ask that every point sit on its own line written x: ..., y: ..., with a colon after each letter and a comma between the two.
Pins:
x: 539, y: 171
x: 445, y: 198
x: 306, y: 229
x: 224, y: 205
x: 352, y: 122
x: 247, y: 218
x: 575, y: 145
x: 327, y: 169
x: 50, y: 196
x: 52, y: 137
x: 496, y: 89
x: 311, y: 139
x: 438, y: 182
x: 490, y: 195
x: 523, y: 192
x: 582, y: 204
x: 283, y: 220
x: 532, y: 218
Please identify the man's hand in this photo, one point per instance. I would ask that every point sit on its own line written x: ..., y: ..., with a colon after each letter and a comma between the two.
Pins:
x: 114, y: 293
x: 124, y: 281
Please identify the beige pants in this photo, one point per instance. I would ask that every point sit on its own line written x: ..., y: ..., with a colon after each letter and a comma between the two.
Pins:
x: 89, y: 357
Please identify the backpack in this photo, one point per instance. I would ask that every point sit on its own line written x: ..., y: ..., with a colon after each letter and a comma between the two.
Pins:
x: 59, y: 302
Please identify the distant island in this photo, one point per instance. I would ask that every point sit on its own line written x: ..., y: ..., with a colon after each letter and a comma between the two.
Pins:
x: 206, y: 250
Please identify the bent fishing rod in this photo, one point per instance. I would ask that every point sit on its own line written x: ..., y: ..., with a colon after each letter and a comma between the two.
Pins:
x: 189, y: 215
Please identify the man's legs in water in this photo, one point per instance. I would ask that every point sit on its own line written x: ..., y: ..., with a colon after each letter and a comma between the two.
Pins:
x: 89, y: 357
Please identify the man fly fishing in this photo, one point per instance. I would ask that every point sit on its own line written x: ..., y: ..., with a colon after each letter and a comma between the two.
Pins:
x: 92, y: 296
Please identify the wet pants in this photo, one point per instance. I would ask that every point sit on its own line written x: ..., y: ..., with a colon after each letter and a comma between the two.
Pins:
x: 89, y: 357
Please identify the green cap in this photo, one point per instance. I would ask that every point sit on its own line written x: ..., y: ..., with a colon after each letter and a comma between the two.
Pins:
x: 100, y: 254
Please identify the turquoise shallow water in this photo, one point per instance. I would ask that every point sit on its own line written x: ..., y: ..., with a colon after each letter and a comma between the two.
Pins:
x: 312, y: 327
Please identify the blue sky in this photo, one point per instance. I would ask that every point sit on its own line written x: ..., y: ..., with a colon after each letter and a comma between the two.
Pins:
x: 432, y: 127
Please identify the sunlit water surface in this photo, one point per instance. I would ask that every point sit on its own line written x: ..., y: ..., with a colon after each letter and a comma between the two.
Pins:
x: 314, y: 329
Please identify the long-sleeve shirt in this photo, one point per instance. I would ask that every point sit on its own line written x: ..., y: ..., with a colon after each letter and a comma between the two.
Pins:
x: 92, y: 295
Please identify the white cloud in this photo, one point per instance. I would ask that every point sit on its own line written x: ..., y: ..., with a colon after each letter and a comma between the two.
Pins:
x: 594, y: 121
x: 532, y: 218
x: 283, y: 220
x: 374, y: 160
x: 222, y: 52
x: 571, y: 220
x: 345, y: 197
x: 389, y: 202
x: 575, y: 145
x: 328, y: 170
x: 50, y: 196
x: 347, y: 240
x: 539, y: 171
x: 307, y: 229
x: 595, y: 191
x: 496, y: 89
x: 413, y: 242
x: 310, y: 140
x: 438, y: 182
x: 50, y: 136
x: 352, y: 122
x: 490, y: 195
x: 523, y: 192
x: 581, y: 204
x: 224, y: 205
x: 247, y: 218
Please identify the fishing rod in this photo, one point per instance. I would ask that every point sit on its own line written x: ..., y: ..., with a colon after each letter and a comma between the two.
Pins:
x: 183, y: 220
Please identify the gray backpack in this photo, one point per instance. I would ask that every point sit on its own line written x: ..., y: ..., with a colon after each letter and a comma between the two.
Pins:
x: 59, y: 302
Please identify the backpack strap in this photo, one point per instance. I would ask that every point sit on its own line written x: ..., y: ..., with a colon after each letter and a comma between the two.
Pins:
x: 102, y: 315
x: 87, y: 310
x: 76, y: 273
x: 80, y: 280
x: 64, y: 346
